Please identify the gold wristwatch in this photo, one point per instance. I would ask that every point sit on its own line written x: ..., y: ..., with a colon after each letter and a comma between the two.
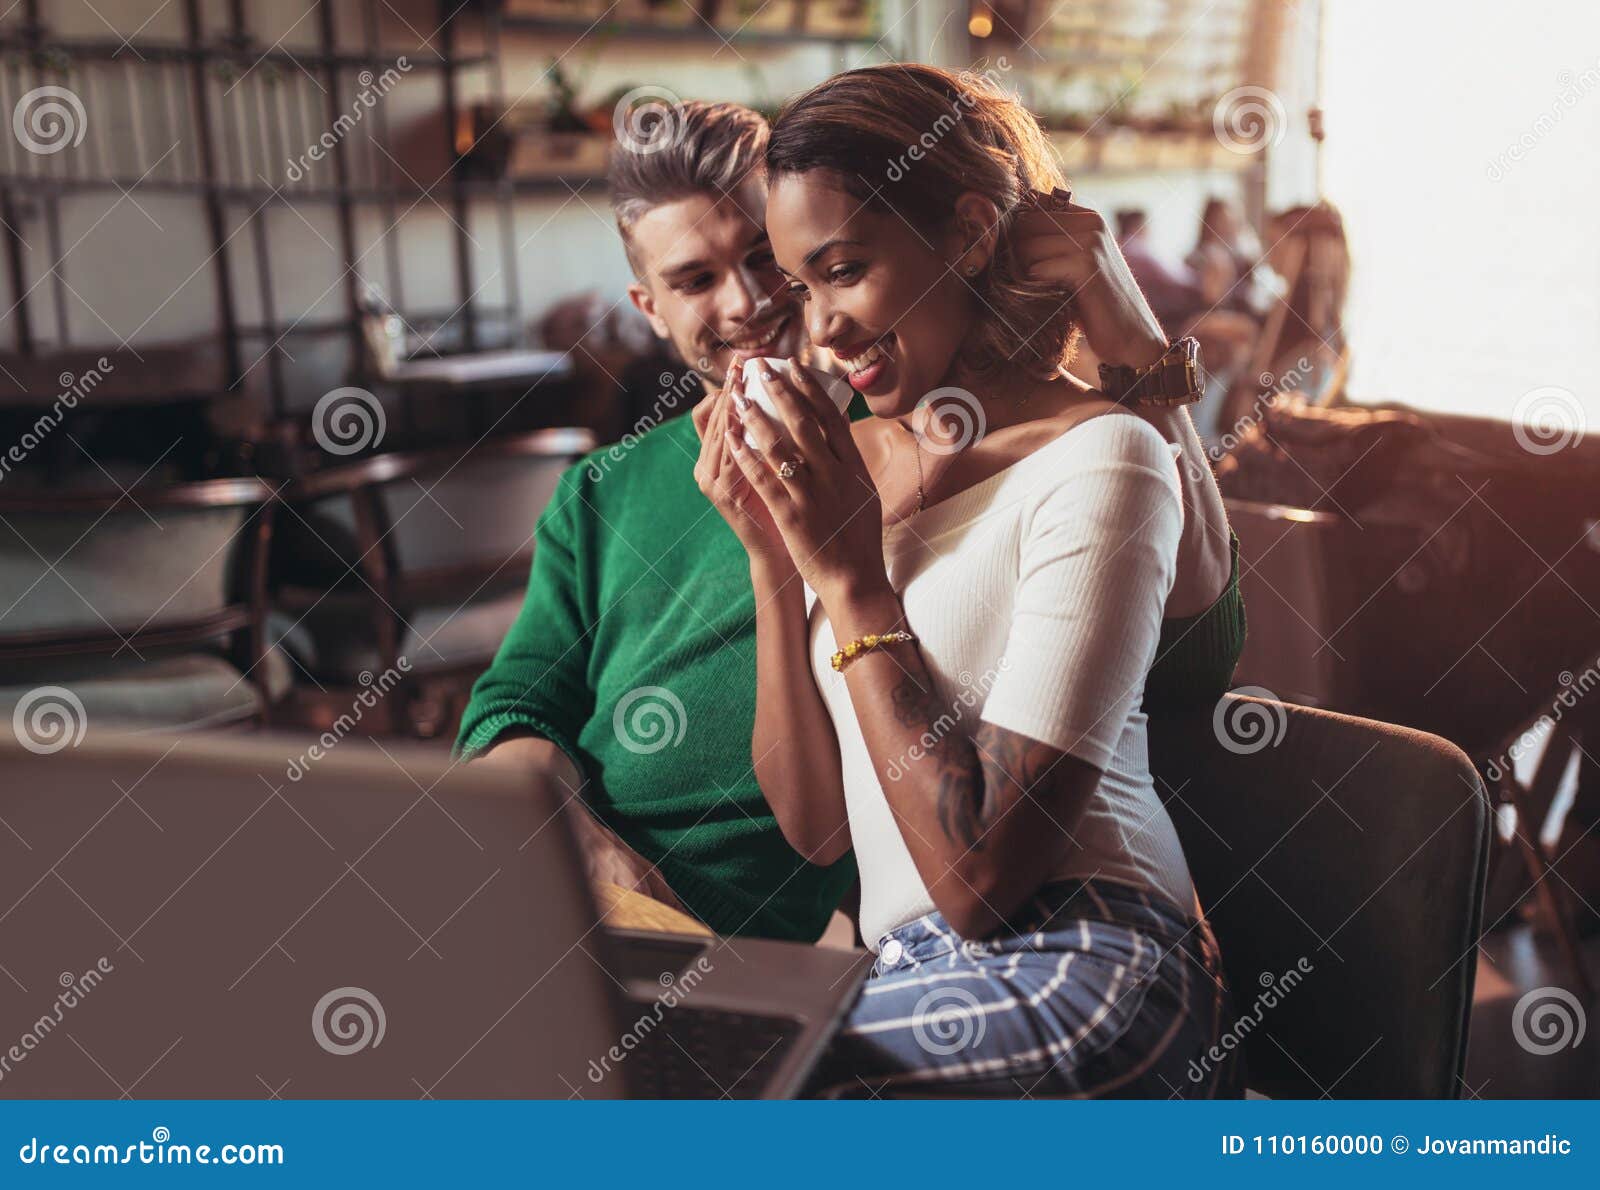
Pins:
x: 1174, y: 379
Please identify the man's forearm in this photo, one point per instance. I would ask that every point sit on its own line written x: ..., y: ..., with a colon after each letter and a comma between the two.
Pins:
x: 1204, y: 559
x: 1127, y: 333
x: 606, y: 858
x: 527, y: 752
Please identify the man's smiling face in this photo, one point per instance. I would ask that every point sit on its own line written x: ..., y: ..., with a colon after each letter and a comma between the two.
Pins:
x: 709, y: 285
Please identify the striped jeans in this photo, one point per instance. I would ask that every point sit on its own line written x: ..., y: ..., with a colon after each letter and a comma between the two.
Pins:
x: 1094, y: 988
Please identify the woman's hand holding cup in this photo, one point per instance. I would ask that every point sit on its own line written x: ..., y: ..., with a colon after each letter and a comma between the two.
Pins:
x: 723, y: 483
x: 810, y: 476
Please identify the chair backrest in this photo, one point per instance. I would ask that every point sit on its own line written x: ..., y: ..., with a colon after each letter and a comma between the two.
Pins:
x: 467, y: 511
x: 1289, y: 594
x: 93, y: 572
x: 1342, y: 863
x: 500, y: 499
x: 437, y: 533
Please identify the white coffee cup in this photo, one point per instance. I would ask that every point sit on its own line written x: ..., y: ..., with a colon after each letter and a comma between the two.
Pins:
x: 756, y: 391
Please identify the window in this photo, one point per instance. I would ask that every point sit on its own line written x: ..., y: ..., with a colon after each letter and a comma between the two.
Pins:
x: 1463, y: 148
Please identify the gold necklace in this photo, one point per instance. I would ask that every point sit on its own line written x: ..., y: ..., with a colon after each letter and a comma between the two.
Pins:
x: 916, y: 449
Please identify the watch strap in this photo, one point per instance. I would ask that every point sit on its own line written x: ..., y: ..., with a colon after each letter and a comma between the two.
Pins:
x: 1174, y: 379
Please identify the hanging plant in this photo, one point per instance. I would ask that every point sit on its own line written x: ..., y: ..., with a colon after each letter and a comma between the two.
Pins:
x: 52, y: 61
x: 561, y: 108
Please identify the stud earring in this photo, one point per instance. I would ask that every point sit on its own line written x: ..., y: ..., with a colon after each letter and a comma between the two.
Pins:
x: 972, y: 270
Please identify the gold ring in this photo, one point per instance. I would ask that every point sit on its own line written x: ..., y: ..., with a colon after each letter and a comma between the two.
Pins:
x: 787, y: 469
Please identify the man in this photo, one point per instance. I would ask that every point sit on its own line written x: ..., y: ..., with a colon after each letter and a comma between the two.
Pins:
x: 630, y: 674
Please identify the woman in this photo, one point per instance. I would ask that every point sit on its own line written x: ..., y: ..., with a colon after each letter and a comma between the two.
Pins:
x: 1225, y: 255
x: 953, y: 688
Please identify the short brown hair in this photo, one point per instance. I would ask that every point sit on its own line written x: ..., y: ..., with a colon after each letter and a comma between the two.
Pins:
x: 712, y: 148
x: 911, y: 139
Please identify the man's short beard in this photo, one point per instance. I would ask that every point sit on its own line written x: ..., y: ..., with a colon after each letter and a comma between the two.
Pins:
x: 702, y: 368
x: 714, y: 379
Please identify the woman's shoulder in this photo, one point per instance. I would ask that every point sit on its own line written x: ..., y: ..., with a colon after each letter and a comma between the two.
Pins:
x: 1108, y: 432
x: 1113, y: 469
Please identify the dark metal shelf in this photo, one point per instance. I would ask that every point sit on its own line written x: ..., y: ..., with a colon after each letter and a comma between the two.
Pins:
x: 699, y: 34
x: 557, y: 184
x: 23, y: 186
x: 223, y: 51
x: 344, y: 326
x: 187, y: 68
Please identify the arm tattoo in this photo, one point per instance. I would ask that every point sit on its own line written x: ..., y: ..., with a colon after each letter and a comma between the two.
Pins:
x: 1012, y: 766
x: 976, y: 779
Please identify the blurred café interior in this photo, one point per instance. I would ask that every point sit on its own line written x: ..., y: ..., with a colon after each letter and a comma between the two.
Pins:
x: 266, y: 390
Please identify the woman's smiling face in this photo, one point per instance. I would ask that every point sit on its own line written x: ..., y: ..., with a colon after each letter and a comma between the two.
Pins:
x: 878, y: 293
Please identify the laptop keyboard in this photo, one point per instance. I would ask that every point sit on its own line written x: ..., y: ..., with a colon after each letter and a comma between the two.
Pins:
x: 706, y: 1053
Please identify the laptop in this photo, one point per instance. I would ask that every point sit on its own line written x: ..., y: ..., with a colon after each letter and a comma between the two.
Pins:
x: 260, y: 916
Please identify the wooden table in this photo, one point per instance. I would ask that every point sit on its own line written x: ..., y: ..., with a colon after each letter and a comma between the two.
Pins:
x: 628, y: 910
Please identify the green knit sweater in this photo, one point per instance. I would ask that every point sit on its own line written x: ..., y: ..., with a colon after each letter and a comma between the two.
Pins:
x: 635, y: 654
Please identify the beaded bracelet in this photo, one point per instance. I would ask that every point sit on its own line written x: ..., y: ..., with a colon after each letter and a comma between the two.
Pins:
x: 873, y: 640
